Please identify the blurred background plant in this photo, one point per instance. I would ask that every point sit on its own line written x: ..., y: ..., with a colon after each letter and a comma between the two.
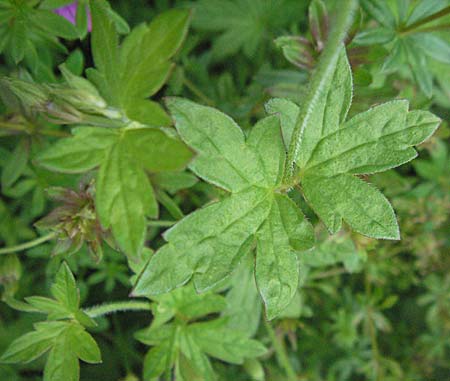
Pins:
x: 364, y: 310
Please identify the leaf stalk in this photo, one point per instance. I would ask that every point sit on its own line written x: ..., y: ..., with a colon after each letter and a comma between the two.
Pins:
x: 27, y: 245
x: 319, y: 79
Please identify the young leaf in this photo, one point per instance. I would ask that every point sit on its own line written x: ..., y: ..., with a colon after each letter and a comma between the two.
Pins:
x: 188, y: 303
x: 71, y: 344
x: 64, y: 289
x: 185, y: 344
x: 215, y: 339
x: 33, y: 344
x: 67, y: 342
x: 208, y: 244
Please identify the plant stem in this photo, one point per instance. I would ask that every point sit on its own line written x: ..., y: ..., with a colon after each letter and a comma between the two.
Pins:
x: 109, y: 308
x: 319, y: 79
x: 426, y: 20
x: 28, y: 245
x: 280, y: 350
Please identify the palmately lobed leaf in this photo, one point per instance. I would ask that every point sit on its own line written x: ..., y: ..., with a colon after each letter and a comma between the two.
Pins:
x: 333, y: 150
x: 124, y: 194
x: 208, y: 244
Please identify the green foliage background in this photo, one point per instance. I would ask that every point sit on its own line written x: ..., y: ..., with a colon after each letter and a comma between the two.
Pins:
x: 365, y: 309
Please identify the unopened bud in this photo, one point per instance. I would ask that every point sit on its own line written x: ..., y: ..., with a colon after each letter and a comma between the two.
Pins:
x: 297, y: 50
x: 31, y: 95
x: 318, y: 23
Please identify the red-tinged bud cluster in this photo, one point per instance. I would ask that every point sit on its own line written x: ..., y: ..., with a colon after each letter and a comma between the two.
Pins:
x: 75, y: 221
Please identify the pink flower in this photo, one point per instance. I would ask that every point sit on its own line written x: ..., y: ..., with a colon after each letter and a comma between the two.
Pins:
x: 69, y: 13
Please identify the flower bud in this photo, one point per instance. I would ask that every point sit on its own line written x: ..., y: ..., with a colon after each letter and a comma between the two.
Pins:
x: 297, y: 50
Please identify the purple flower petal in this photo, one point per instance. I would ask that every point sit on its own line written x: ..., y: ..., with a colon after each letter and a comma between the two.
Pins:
x: 69, y: 13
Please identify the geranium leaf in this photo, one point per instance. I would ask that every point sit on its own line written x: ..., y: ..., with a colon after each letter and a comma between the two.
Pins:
x: 208, y: 244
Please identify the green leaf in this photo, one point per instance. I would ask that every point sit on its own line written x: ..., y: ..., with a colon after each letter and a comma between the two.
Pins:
x: 67, y: 341
x: 380, y: 11
x: 425, y: 8
x: 277, y: 268
x: 159, y: 359
x: 360, y: 204
x: 205, y: 245
x: 16, y: 164
x: 335, y: 249
x: 208, y: 244
x: 82, y: 152
x: 215, y: 339
x: 105, y: 50
x: 84, y: 346
x: 71, y: 344
x: 49, y: 306
x: 124, y: 195
x: 332, y: 150
x: 148, y: 112
x: 326, y: 115
x: 64, y: 289
x: 197, y: 362
x: 215, y: 136
x: 145, y: 54
x: 140, y: 67
x: 189, y: 304
x: 374, y: 36
x: 243, y: 309
x: 33, y: 344
x: 288, y: 113
x: 419, y: 67
x: 54, y: 24
x: 433, y: 46
x: 244, y: 25
x: 174, y: 181
x: 52, y: 4
x: 18, y: 39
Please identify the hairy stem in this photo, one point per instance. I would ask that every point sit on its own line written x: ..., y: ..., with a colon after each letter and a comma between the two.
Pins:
x: 27, y: 245
x: 319, y: 79
x: 109, y: 308
x: 281, y: 353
